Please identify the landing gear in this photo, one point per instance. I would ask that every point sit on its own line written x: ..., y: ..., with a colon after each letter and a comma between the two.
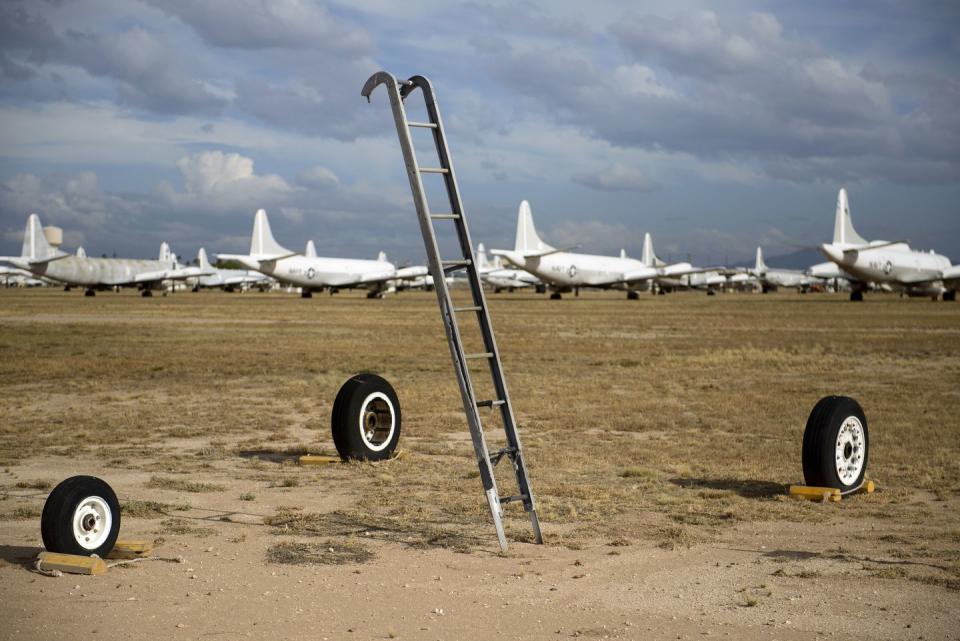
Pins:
x: 334, y: 290
x: 89, y: 292
x: 147, y: 293
x: 711, y: 292
x: 856, y: 295
x: 81, y: 516
x: 366, y: 419
x: 195, y: 289
x: 306, y: 293
x: 836, y: 444
x: 497, y: 290
x: 556, y: 296
x: 541, y: 289
x: 67, y: 288
x: 375, y: 294
x: 632, y: 295
x: 949, y: 296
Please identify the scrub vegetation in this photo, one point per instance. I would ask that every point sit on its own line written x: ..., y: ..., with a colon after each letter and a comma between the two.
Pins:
x: 673, y: 420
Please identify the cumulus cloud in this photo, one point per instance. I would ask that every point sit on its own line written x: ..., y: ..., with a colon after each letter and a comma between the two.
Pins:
x: 616, y: 177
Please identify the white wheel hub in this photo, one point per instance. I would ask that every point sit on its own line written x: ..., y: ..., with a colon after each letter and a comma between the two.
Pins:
x: 377, y: 421
x: 851, y: 447
x: 92, y: 521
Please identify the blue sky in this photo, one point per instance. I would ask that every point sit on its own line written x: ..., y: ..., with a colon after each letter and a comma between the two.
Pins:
x: 715, y: 126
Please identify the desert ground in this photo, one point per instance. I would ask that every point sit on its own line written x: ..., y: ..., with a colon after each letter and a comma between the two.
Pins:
x: 661, y: 435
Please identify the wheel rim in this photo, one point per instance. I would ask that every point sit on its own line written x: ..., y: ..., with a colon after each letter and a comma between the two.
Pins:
x: 92, y: 521
x: 377, y: 421
x: 850, y: 451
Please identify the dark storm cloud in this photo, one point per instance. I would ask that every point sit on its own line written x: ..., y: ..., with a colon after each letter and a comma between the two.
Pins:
x: 147, y: 71
x: 264, y: 24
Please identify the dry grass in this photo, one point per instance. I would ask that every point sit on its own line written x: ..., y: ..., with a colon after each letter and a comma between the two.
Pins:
x: 338, y: 552
x: 669, y: 419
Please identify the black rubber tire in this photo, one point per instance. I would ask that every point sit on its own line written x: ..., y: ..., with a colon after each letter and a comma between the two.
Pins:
x: 820, y: 438
x: 347, y: 422
x: 856, y: 296
x: 56, y: 522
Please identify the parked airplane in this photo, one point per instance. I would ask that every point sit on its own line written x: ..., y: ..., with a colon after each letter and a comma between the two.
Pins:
x: 228, y: 279
x: 44, y: 261
x: 311, y: 273
x: 771, y: 279
x: 677, y: 275
x: 564, y: 271
x: 892, y: 264
x: 500, y: 277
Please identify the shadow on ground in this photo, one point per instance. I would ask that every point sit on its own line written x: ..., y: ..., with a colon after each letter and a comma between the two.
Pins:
x: 748, y: 488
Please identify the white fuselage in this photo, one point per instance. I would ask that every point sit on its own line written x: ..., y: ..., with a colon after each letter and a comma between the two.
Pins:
x: 895, y: 265
x: 567, y: 270
x: 321, y: 272
x: 93, y: 272
x: 232, y: 278
x: 506, y: 278
x: 783, y: 278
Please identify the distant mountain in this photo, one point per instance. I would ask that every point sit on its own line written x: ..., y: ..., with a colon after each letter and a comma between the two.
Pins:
x: 800, y: 259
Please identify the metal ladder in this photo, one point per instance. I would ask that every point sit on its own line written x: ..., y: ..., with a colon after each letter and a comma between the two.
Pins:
x: 398, y: 90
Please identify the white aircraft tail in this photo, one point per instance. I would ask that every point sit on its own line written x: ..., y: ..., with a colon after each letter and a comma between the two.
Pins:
x: 204, y: 263
x: 166, y: 255
x: 760, y: 267
x: 81, y: 252
x: 382, y: 257
x: 843, y: 231
x: 482, y: 261
x: 263, y: 245
x: 36, y: 249
x: 311, y: 250
x: 623, y: 254
x: 648, y: 257
x: 528, y: 242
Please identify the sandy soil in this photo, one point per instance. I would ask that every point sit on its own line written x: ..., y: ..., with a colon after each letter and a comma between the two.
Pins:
x: 880, y: 566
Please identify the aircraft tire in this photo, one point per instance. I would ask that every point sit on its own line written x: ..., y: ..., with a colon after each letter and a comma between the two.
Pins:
x: 89, y: 292
x: 81, y: 516
x: 856, y: 296
x: 836, y: 444
x: 632, y: 295
x: 366, y: 419
x: 950, y: 296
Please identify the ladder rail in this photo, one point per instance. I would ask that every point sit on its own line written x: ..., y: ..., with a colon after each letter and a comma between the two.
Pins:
x: 397, y: 92
x: 476, y: 287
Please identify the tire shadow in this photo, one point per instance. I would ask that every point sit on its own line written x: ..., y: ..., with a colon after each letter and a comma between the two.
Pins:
x: 747, y: 488
x: 22, y: 555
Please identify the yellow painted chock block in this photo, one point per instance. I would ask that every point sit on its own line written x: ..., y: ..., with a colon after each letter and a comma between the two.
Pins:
x: 71, y: 563
x: 131, y: 549
x: 828, y: 493
x: 815, y: 493
x: 318, y: 459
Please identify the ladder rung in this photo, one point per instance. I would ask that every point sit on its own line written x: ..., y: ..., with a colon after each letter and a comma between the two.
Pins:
x: 506, y: 451
x: 473, y: 308
x: 454, y: 265
x: 490, y: 403
x: 479, y: 355
x: 425, y: 125
x: 434, y: 170
x: 445, y: 216
x: 510, y: 499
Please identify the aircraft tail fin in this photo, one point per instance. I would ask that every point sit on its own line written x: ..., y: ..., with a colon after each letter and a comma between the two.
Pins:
x: 623, y: 253
x: 263, y: 244
x: 843, y: 231
x: 482, y: 261
x: 36, y: 248
x: 649, y: 258
x: 382, y: 257
x: 81, y: 252
x: 760, y: 266
x: 204, y: 262
x: 311, y: 250
x: 528, y: 241
x: 166, y: 255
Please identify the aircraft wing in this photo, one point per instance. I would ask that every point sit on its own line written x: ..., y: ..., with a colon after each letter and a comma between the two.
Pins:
x: 170, y: 274
x: 415, y: 271
x: 949, y: 274
x: 666, y: 272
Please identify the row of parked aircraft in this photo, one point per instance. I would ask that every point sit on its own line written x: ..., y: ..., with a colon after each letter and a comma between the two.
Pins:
x: 860, y: 264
